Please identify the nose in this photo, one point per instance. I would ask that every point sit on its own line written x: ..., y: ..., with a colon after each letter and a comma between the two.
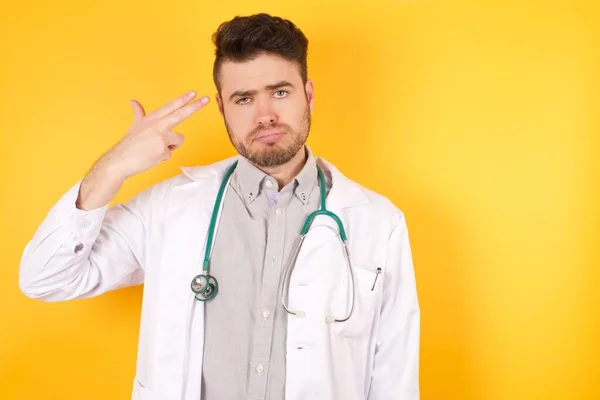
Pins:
x: 266, y: 114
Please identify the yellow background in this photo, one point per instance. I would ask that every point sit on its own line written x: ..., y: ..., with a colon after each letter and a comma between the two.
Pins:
x: 478, y: 119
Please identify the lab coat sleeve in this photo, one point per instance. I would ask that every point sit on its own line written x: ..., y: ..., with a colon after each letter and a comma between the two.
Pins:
x: 80, y: 254
x: 396, y: 361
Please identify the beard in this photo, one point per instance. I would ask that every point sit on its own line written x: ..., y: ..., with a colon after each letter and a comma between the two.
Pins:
x: 273, y: 154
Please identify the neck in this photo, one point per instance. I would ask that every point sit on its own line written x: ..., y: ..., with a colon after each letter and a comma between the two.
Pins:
x: 284, y: 173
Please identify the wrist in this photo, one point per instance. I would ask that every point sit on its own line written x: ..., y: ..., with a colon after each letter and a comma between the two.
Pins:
x: 109, y: 171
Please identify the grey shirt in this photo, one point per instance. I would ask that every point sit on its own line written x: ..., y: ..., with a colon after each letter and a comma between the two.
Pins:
x: 245, y: 324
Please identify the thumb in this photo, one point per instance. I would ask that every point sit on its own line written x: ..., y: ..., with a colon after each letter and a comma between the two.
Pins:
x: 138, y: 110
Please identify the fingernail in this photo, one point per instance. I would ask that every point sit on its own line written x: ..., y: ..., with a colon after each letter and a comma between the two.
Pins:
x: 192, y: 93
x: 204, y: 100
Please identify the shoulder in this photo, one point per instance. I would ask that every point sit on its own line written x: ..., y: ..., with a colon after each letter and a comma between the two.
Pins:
x: 362, y: 199
x: 194, y: 178
x: 382, y: 210
x: 382, y: 203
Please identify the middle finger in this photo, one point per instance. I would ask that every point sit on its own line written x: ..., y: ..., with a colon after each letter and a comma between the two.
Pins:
x: 178, y: 116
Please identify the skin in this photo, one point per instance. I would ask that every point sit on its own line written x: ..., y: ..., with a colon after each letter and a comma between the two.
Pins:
x: 267, y: 110
x: 265, y: 107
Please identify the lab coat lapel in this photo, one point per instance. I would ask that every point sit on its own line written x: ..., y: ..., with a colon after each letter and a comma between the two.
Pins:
x: 342, y: 195
x: 190, y: 207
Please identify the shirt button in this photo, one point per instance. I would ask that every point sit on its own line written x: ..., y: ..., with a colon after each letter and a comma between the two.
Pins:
x: 260, y: 368
x: 266, y: 314
x: 269, y: 184
x: 278, y: 212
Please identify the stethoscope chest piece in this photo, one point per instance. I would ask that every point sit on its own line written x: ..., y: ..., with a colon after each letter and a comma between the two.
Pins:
x: 205, y: 287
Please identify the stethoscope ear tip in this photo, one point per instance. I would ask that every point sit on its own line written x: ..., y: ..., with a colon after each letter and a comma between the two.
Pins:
x: 329, y: 319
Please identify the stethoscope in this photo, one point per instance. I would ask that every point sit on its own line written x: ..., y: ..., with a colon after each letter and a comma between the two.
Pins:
x: 205, y: 286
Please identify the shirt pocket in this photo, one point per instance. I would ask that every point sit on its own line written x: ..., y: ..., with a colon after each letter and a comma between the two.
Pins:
x: 367, y: 287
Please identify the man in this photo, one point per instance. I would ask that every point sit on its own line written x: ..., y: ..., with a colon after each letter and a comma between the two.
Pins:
x: 351, y: 327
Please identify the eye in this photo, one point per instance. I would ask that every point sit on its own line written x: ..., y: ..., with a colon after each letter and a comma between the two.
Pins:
x: 281, y: 93
x: 243, y: 100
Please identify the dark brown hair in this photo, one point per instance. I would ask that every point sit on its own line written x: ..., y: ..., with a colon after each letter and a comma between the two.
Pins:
x: 243, y: 38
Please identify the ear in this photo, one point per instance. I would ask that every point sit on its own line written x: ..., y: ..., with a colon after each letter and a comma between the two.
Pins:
x: 219, y: 103
x: 310, y: 93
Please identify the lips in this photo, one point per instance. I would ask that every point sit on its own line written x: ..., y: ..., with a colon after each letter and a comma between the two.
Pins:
x: 270, y: 135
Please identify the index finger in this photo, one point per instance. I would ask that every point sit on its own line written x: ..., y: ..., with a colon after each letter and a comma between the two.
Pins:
x: 172, y: 105
x: 179, y: 115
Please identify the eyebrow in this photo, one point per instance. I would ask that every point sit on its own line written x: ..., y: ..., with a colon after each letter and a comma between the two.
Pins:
x: 246, y: 93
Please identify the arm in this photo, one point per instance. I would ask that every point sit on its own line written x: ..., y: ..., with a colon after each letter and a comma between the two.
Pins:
x: 396, y: 362
x: 78, y: 253
x: 83, y: 248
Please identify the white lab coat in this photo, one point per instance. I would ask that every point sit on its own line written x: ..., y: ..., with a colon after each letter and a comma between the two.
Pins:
x: 157, y: 238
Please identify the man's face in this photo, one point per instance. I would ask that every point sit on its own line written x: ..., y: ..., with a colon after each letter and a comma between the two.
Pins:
x: 266, y: 108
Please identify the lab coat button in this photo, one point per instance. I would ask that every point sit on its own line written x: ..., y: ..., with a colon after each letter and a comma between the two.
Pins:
x: 278, y: 212
x: 269, y: 184
x: 266, y: 314
x: 260, y: 368
x: 78, y: 248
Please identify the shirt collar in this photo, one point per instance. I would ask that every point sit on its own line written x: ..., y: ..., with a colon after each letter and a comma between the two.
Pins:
x: 306, y: 179
x: 248, y: 180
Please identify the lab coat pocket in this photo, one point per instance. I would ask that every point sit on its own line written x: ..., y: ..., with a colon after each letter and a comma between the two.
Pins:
x: 367, y: 284
x: 140, y: 392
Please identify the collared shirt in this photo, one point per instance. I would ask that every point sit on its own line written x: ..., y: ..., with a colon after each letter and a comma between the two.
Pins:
x: 245, y: 324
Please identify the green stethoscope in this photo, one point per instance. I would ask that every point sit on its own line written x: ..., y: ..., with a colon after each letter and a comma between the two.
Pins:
x: 206, y: 286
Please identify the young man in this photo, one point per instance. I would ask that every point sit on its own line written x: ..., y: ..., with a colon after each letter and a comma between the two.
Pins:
x: 232, y: 308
